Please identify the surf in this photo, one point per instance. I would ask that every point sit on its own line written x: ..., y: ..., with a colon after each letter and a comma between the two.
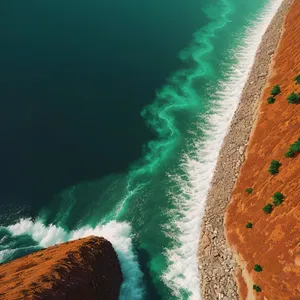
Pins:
x: 183, y: 157
x: 119, y: 234
x: 199, y: 163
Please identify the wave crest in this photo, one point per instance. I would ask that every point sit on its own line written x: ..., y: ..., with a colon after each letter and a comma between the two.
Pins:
x: 118, y: 233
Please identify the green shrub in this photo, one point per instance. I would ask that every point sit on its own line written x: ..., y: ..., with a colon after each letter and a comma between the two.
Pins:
x: 268, y: 208
x: 294, y: 148
x: 289, y: 154
x: 257, y: 268
x: 274, y: 167
x: 249, y: 225
x: 256, y: 288
x: 249, y: 190
x: 275, y: 90
x: 297, y: 79
x: 271, y: 100
x: 293, y: 98
x: 278, y: 198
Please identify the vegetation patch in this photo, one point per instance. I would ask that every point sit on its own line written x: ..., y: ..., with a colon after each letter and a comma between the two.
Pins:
x: 268, y: 208
x: 297, y: 79
x: 257, y: 268
x: 293, y: 98
x: 257, y: 288
x: 249, y: 190
x: 249, y: 225
x: 294, y: 148
x: 275, y: 90
x: 271, y: 100
x: 278, y: 198
x: 274, y: 167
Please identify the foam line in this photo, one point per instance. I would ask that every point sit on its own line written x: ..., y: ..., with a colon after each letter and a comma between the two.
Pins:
x: 119, y: 234
x: 198, y: 165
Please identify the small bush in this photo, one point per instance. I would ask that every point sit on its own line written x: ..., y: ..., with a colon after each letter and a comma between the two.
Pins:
x: 275, y: 90
x: 271, y: 100
x: 289, y: 154
x: 249, y: 190
x: 278, y: 198
x: 268, y: 208
x: 257, y: 268
x: 294, y: 148
x: 297, y: 79
x: 293, y: 98
x: 257, y: 288
x: 274, y: 167
x: 249, y: 225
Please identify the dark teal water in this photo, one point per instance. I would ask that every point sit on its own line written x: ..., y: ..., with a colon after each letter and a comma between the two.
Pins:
x: 111, y: 118
x: 74, y: 79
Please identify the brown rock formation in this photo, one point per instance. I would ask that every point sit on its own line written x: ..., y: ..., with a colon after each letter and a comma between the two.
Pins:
x: 274, y: 240
x: 83, y: 269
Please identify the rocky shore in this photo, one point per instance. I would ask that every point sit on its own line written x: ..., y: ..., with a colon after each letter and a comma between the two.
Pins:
x: 217, y: 265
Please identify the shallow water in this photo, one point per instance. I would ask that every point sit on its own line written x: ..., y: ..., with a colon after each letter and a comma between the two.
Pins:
x: 84, y: 88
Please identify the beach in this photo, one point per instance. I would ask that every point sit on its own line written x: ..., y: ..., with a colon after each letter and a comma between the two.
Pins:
x: 217, y: 264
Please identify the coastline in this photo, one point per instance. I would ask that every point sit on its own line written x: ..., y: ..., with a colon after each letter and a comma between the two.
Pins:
x: 217, y: 264
x: 273, y: 240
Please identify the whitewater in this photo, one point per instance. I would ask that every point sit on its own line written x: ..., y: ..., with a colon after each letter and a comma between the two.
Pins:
x: 195, y: 167
x: 198, y: 165
x: 119, y: 234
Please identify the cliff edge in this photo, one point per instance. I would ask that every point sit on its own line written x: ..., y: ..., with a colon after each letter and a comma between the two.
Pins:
x: 83, y: 269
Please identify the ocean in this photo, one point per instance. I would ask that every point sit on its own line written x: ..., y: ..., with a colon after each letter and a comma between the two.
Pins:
x: 112, y: 116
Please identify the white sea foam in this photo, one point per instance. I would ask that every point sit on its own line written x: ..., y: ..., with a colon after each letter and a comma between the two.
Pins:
x: 6, y: 254
x: 119, y: 234
x: 199, y: 164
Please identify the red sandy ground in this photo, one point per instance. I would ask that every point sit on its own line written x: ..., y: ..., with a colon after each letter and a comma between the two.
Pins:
x: 83, y: 269
x: 274, y: 240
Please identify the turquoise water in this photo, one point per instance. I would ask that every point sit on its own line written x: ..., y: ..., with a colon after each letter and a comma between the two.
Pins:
x: 151, y: 208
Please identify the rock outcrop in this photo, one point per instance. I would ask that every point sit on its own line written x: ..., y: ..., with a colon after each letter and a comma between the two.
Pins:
x: 82, y: 269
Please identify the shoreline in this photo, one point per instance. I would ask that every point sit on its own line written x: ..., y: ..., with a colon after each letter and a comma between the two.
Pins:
x: 217, y: 265
x: 274, y: 239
